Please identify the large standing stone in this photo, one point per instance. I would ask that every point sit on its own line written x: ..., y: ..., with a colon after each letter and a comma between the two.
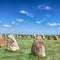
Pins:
x: 55, y: 37
x: 49, y: 37
x: 43, y: 36
x: 34, y: 35
x: 17, y: 35
x: 2, y: 42
x: 38, y: 47
x: 29, y: 36
x: 5, y: 35
x: 12, y: 44
x: 20, y: 36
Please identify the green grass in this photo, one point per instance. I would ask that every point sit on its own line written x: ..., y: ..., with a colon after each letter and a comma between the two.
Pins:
x: 52, y: 50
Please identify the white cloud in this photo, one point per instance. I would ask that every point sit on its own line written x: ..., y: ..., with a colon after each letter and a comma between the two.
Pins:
x: 44, y: 7
x: 24, y: 12
x: 31, y: 15
x: 20, y: 20
x: 13, y: 22
x: 38, y: 22
x: 7, y: 25
x: 53, y: 24
x: 41, y: 20
x: 27, y: 13
x: 47, y: 8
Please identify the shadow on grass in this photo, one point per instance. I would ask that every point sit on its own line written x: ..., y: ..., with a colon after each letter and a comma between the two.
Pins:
x: 12, y: 51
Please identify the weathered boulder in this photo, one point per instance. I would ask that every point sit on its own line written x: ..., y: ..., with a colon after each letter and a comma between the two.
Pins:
x: 38, y: 47
x: 43, y: 36
x: 49, y: 37
x: 2, y: 42
x: 55, y: 37
x: 12, y: 43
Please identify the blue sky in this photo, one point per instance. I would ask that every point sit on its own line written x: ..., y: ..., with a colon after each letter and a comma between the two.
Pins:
x: 30, y: 16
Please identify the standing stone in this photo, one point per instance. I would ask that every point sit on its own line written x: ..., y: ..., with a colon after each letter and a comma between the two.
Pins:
x: 14, y: 35
x: 5, y: 35
x: 49, y: 37
x: 20, y: 36
x: 2, y: 42
x: 38, y: 47
x: 17, y: 35
x: 29, y: 36
x: 34, y: 35
x: 55, y: 37
x: 43, y: 36
x: 12, y: 44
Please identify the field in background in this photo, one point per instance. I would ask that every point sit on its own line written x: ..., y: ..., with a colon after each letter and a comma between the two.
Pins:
x: 25, y: 43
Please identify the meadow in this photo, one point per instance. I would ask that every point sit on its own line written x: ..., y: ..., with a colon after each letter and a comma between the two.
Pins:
x: 52, y: 50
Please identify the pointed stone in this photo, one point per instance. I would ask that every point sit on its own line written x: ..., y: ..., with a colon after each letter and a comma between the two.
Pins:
x: 49, y: 37
x: 2, y: 42
x: 38, y: 47
x: 17, y: 35
x: 55, y: 37
x: 43, y: 36
x: 20, y: 36
x: 5, y: 35
x: 29, y: 36
x: 34, y: 35
x: 12, y: 43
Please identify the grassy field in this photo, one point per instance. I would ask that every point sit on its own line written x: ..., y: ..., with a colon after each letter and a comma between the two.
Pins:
x: 52, y: 50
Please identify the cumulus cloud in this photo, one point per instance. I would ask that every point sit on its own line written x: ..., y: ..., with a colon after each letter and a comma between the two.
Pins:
x: 47, y: 8
x: 27, y: 13
x: 38, y: 22
x: 53, y: 24
x: 24, y: 12
x: 7, y: 25
x: 13, y: 22
x: 20, y: 20
x: 44, y: 7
